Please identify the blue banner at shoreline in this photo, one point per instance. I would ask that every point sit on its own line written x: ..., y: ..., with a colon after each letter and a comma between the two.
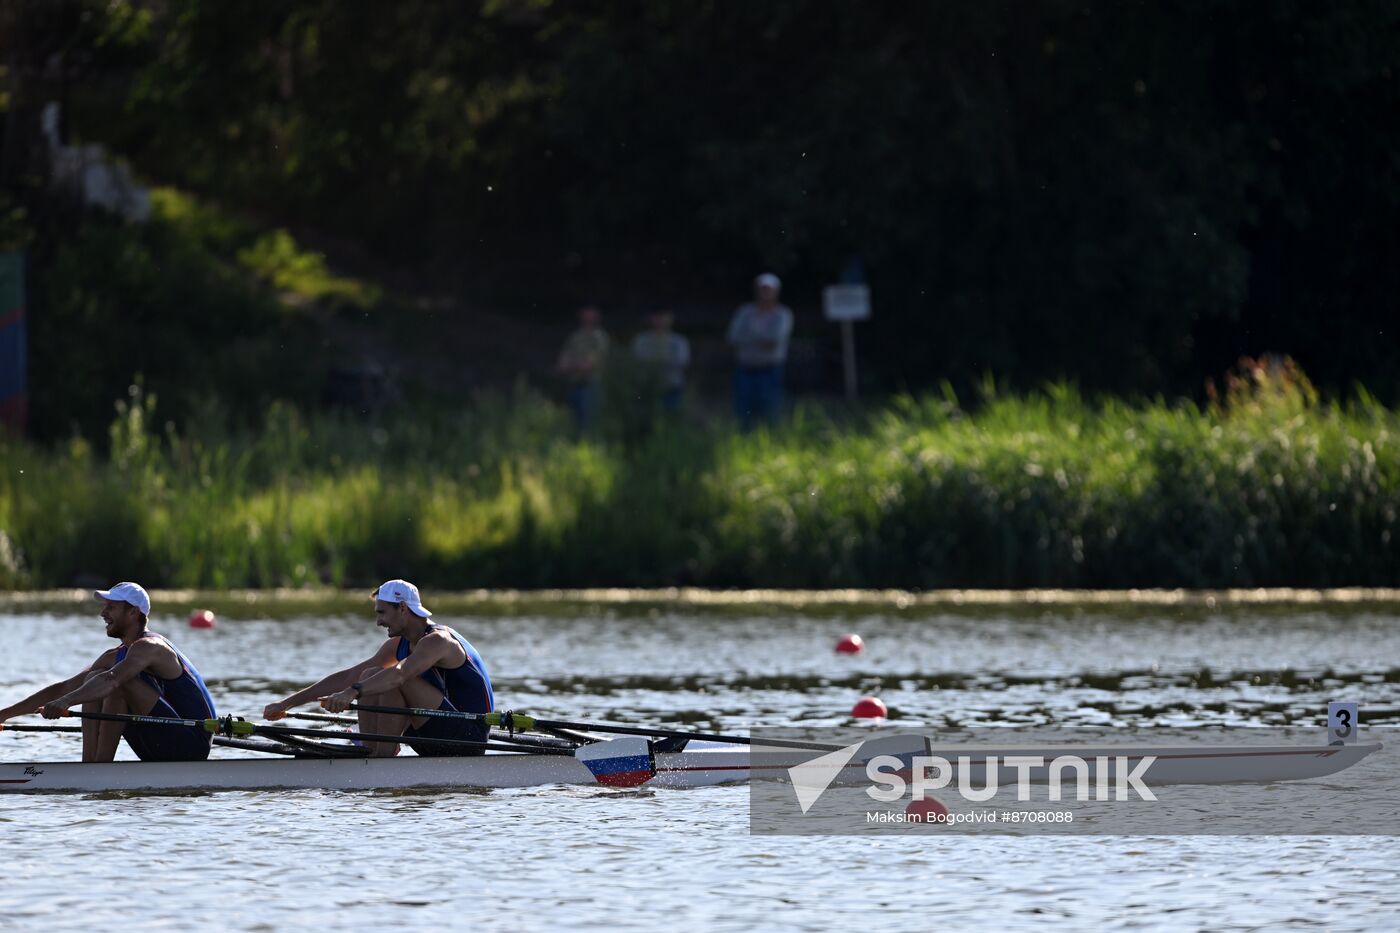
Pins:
x: 14, y: 345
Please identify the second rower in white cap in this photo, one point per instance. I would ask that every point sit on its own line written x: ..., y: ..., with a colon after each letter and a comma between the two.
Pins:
x: 423, y: 665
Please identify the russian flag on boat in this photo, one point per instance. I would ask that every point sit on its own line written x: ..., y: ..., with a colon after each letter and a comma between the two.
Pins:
x: 626, y: 762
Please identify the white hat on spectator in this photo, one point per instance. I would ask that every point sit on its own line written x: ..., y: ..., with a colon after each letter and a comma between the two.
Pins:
x: 768, y: 279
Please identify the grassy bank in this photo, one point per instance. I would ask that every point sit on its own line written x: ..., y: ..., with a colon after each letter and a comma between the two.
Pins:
x: 1269, y: 488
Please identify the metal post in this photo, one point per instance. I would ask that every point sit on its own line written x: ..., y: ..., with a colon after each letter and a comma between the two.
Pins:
x: 848, y: 358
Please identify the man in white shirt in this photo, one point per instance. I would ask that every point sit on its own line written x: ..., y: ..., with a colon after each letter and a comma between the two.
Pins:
x: 759, y: 334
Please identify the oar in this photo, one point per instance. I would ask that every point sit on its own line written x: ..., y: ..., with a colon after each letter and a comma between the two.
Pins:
x: 523, y: 723
x: 324, y: 717
x: 233, y: 727
x: 320, y: 749
x: 228, y: 726
x: 218, y: 740
x: 520, y: 739
x: 209, y: 725
x: 625, y: 762
x: 270, y: 748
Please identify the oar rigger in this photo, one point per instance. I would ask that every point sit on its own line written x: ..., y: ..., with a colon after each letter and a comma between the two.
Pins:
x: 230, y: 726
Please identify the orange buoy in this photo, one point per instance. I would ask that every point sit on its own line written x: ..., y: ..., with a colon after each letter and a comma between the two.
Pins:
x: 850, y: 644
x: 928, y: 810
x: 870, y: 708
x: 202, y: 618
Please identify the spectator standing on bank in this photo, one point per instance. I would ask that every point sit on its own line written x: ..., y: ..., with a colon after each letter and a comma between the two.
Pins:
x: 759, y: 335
x: 581, y: 364
x: 667, y: 353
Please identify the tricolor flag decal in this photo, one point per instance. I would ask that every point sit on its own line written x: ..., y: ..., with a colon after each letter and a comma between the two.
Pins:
x: 626, y: 762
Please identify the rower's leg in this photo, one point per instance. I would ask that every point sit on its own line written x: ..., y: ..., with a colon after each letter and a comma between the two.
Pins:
x: 135, y: 696
x: 141, y: 697
x: 100, y: 738
x: 381, y: 723
x: 421, y: 695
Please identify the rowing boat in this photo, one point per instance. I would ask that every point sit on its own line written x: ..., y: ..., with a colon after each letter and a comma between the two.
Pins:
x: 699, y: 764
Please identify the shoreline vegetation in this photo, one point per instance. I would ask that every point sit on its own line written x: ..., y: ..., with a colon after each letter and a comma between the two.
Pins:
x: 1266, y: 486
x: 239, y: 603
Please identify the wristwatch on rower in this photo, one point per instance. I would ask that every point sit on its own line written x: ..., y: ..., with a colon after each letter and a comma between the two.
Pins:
x: 359, y: 690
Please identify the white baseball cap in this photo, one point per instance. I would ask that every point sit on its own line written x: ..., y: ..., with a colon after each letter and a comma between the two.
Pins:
x: 769, y: 279
x: 132, y: 593
x: 401, y: 591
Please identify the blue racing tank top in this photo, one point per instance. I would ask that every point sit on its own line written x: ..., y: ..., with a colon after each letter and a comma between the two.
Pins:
x: 467, y: 687
x: 186, y: 694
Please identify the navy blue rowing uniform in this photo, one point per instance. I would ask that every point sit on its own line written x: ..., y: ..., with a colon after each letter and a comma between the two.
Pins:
x: 465, y: 689
x: 182, y: 697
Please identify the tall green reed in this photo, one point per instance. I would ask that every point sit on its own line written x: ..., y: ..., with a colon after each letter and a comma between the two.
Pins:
x: 1264, y: 486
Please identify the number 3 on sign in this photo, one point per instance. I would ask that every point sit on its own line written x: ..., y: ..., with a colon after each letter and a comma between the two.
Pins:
x: 1341, y: 723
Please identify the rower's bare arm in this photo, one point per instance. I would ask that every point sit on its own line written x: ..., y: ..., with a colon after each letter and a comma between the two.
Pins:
x: 430, y: 651
x: 331, y: 683
x: 37, y: 700
x: 328, y: 684
x: 139, y: 657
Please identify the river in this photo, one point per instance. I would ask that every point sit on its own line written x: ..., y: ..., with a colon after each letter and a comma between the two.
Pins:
x: 601, y: 858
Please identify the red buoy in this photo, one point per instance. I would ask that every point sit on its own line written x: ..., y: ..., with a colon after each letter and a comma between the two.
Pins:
x: 869, y: 708
x: 202, y: 618
x: 850, y: 644
x: 928, y: 810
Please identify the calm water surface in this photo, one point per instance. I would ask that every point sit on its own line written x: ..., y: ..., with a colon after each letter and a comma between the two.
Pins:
x: 582, y: 857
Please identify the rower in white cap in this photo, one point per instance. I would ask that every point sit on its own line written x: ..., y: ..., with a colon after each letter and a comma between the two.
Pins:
x: 145, y: 675
x: 423, y: 665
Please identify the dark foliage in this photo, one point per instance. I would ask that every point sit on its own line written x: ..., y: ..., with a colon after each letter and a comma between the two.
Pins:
x: 1128, y: 194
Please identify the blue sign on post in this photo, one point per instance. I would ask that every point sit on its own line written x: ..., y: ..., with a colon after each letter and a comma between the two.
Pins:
x: 14, y: 345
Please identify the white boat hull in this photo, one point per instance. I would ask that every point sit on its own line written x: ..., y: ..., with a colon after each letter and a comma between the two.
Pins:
x: 698, y: 766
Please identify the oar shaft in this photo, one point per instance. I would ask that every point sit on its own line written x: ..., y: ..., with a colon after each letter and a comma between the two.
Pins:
x: 148, y: 720
x: 239, y: 727
x: 22, y: 727
x: 673, y: 734
x: 324, y: 717
x: 430, y: 713
x: 523, y: 722
x: 500, y: 737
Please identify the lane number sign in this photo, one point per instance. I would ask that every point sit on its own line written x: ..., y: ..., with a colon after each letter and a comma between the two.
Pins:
x: 1341, y: 723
